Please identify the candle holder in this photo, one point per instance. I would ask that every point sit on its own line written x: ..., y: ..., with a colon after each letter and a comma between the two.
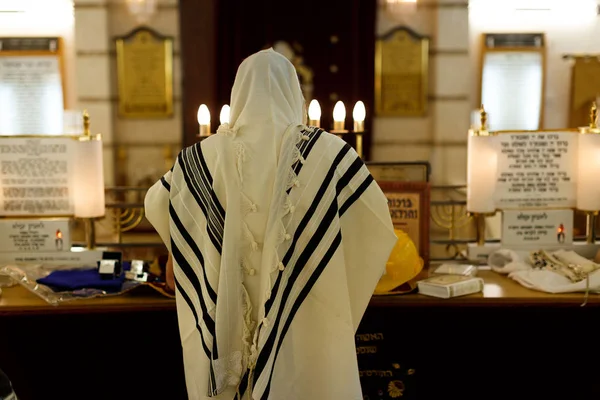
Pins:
x: 480, y: 226
x: 481, y: 176
x: 89, y: 198
x: 588, y: 191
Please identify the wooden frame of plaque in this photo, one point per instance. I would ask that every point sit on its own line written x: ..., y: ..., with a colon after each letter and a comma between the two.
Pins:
x: 410, y: 201
x: 417, y: 171
x: 401, y: 73
x: 145, y: 74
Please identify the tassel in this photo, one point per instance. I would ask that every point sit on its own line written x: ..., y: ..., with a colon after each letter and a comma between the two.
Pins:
x: 305, y: 137
x: 281, y: 266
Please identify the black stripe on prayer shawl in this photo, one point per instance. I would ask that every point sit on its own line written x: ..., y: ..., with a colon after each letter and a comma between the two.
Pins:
x: 242, y: 387
x: 206, y: 185
x: 215, y: 230
x: 312, y: 245
x: 193, y: 309
x: 300, y: 299
x: 305, y: 147
x: 191, y: 276
x: 200, y: 156
x: 307, y: 216
x: 359, y: 191
x: 192, y: 244
x: 165, y: 183
x: 343, y: 182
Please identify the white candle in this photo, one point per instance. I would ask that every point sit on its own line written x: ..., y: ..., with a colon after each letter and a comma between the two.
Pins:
x: 314, y: 113
x: 204, y: 120
x: 588, y: 184
x: 224, y: 116
x: 339, y: 116
x: 481, y: 174
x: 358, y: 114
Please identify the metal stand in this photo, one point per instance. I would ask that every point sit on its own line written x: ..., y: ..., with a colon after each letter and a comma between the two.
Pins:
x: 90, y: 233
x: 591, y: 217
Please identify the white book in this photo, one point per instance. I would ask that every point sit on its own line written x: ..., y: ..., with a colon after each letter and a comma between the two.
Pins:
x: 447, y: 286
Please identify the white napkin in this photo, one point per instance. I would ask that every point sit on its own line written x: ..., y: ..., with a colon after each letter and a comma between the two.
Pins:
x: 505, y: 261
x: 552, y: 282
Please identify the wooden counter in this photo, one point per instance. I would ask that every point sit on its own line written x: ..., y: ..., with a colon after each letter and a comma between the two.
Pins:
x: 19, y: 300
x: 504, y: 343
x: 499, y: 291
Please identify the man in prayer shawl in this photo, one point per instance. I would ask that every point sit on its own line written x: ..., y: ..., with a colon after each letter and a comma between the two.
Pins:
x: 278, y: 235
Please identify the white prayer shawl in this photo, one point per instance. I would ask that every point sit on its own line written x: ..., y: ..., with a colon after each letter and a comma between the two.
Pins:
x: 279, y: 236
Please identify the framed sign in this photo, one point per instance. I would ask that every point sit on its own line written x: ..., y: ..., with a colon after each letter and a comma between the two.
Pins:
x: 409, y: 204
x: 145, y: 74
x: 401, y: 73
x: 37, y: 176
x: 32, y: 86
x: 400, y: 171
x: 536, y: 169
x: 512, y: 84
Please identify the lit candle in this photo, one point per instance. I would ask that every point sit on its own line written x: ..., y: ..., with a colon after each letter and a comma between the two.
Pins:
x: 339, y: 117
x: 314, y: 113
x: 224, y: 116
x: 204, y: 120
x: 59, y: 240
x: 358, y: 114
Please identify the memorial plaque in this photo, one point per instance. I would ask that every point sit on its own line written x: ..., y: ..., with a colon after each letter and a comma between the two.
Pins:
x: 145, y: 74
x: 536, y: 170
x: 401, y: 73
x: 31, y: 86
x: 409, y: 204
x: 36, y: 176
x: 536, y: 228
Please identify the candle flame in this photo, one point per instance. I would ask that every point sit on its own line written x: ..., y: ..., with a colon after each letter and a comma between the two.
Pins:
x: 359, y: 113
x: 339, y: 112
x: 314, y: 110
x: 225, y: 112
x: 203, y: 115
x: 58, y: 234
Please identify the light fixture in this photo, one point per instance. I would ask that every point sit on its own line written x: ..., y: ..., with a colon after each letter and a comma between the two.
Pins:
x: 482, y: 160
x: 224, y: 115
x: 204, y: 120
x: 588, y: 190
x: 339, y: 117
x: 314, y: 113
x: 88, y: 176
x: 358, y: 114
x: 142, y: 10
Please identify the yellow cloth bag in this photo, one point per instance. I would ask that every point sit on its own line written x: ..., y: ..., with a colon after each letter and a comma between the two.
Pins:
x: 403, y: 265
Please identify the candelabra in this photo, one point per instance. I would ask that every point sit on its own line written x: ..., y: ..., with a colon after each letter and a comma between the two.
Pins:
x: 314, y: 119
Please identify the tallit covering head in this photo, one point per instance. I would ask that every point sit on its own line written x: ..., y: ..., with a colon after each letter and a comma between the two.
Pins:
x: 254, y: 218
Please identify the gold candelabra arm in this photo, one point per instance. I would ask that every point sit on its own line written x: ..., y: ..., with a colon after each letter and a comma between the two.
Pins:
x: 594, y: 116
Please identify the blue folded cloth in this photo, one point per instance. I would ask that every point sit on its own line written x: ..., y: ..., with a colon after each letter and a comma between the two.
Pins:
x: 70, y: 280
